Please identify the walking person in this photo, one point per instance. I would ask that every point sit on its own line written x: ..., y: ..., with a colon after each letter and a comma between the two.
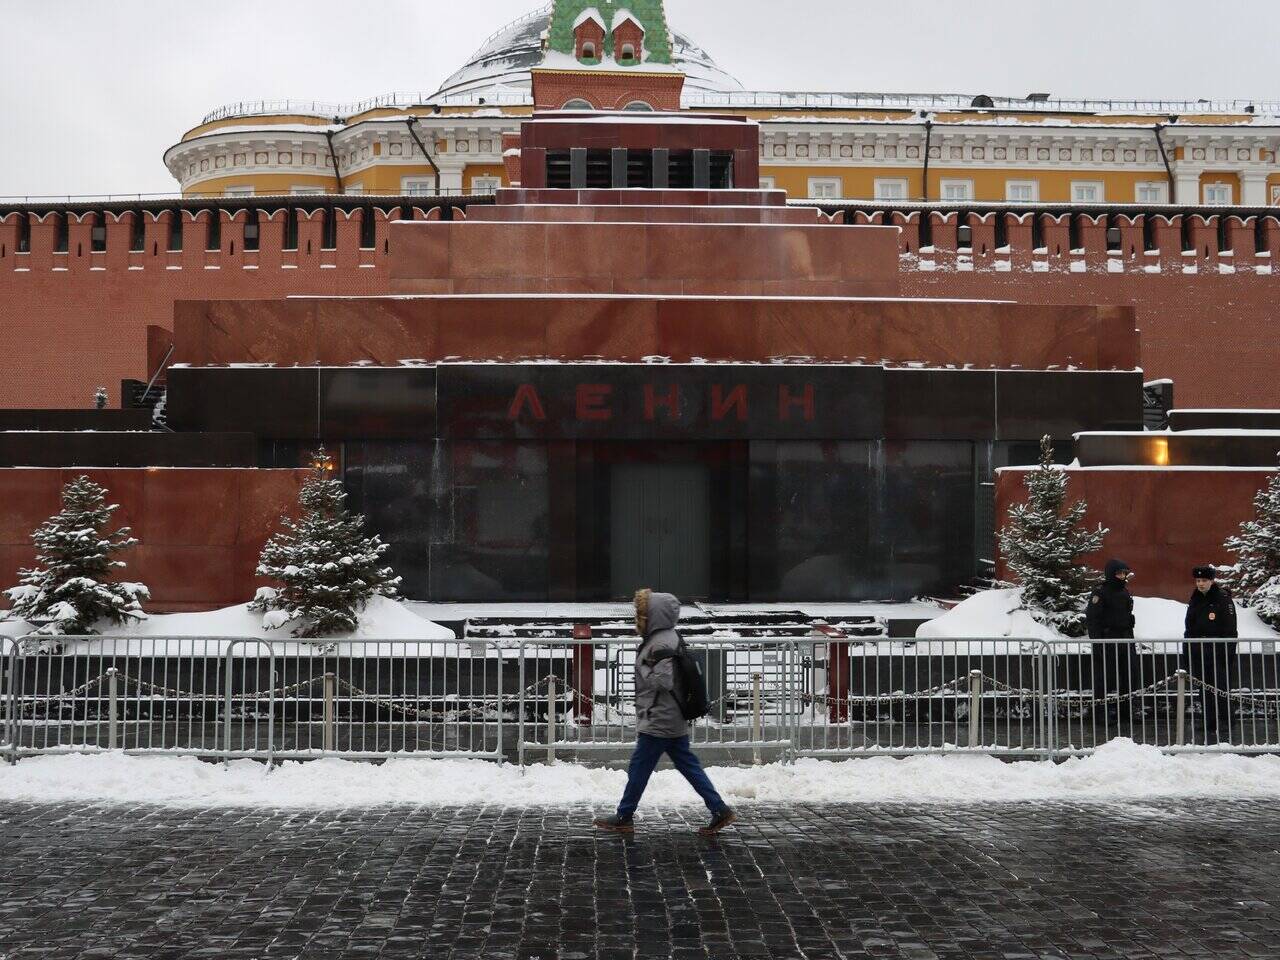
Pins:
x: 1211, y: 615
x: 660, y: 722
x: 1110, y: 617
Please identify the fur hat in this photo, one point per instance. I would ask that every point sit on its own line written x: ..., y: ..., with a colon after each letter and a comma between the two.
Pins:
x: 1205, y: 573
x: 642, y: 611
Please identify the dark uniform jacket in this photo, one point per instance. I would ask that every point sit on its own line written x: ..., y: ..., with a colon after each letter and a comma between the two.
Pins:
x: 1211, y: 615
x: 1110, y: 613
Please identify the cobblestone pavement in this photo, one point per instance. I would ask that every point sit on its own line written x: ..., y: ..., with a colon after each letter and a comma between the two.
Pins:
x: 1155, y: 880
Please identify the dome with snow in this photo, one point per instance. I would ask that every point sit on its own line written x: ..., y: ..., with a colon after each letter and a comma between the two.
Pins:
x: 501, y: 66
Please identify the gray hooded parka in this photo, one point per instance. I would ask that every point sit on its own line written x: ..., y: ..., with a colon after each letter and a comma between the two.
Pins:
x: 657, y: 712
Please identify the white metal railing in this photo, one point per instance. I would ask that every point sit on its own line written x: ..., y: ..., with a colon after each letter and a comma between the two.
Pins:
x: 750, y: 99
x: 401, y: 99
x: 772, y: 697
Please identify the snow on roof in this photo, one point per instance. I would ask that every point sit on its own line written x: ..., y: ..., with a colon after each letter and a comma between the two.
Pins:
x: 622, y: 16
x: 591, y: 13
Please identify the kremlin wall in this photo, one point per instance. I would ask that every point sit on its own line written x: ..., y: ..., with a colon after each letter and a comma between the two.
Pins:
x: 77, y: 319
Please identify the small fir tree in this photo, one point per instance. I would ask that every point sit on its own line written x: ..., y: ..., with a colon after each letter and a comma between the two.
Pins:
x: 1042, y: 543
x: 68, y: 592
x: 1257, y: 575
x: 327, y: 569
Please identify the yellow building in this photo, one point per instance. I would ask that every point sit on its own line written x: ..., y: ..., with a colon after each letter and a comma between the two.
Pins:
x: 831, y: 146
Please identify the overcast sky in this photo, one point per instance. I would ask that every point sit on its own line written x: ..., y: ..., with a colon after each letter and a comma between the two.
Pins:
x: 94, y: 91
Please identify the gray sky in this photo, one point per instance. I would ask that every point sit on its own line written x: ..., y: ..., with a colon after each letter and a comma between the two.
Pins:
x: 93, y: 91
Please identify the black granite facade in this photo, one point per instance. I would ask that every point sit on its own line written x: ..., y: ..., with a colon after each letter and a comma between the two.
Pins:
x: 580, y: 482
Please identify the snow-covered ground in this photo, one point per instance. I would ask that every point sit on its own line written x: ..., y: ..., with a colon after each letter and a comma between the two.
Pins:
x: 382, y: 619
x: 996, y: 613
x: 1121, y: 770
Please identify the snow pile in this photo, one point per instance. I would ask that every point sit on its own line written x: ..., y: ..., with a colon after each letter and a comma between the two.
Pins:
x: 994, y: 613
x: 383, y: 619
x: 1121, y: 770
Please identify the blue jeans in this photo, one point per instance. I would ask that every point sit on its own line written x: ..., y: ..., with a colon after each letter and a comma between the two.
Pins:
x: 649, y: 751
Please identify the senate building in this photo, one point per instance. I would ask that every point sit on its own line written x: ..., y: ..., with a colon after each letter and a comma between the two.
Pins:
x: 821, y: 145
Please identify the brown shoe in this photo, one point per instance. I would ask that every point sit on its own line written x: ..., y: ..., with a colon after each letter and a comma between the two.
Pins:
x: 616, y: 824
x: 719, y: 822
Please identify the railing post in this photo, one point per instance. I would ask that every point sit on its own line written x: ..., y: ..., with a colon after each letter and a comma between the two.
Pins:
x: 1181, y: 708
x: 975, y: 706
x: 113, y: 710
x: 757, y: 720
x: 551, y: 720
x: 330, y: 712
x: 584, y: 673
x: 838, y: 667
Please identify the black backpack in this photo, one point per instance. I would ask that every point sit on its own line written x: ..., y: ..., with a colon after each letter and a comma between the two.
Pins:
x: 690, y: 684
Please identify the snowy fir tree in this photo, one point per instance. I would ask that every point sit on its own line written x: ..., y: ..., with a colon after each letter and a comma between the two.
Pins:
x: 327, y: 568
x: 1042, y: 543
x: 1257, y: 575
x: 68, y: 591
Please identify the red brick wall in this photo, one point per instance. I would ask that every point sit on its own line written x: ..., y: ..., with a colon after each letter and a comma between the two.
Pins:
x: 200, y: 531
x: 1162, y: 522
x: 73, y: 321
x: 552, y: 89
x: 1207, y: 320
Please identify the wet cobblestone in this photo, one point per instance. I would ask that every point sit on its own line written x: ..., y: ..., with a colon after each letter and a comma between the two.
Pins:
x: 1158, y: 881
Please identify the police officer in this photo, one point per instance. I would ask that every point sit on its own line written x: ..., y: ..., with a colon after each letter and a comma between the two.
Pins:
x: 1110, y: 617
x: 1211, y: 615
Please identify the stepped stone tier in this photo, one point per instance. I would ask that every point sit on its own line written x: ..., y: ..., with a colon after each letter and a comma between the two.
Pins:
x: 607, y: 382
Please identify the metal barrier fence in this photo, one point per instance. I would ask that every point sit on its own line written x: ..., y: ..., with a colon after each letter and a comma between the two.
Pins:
x: 772, y: 699
x: 579, y: 697
x: 1179, y: 695
x: 265, y: 699
x: 904, y: 697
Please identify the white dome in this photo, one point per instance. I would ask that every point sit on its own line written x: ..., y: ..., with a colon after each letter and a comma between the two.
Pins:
x: 500, y: 68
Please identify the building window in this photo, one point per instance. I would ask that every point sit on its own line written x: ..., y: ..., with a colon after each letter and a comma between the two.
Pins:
x: 1089, y: 191
x: 628, y: 52
x: 1217, y: 194
x: 825, y: 188
x: 588, y: 51
x: 307, y: 191
x: 957, y: 189
x: 1153, y: 192
x: 485, y: 184
x: 98, y: 237
x: 1022, y: 191
x: 639, y: 106
x: 578, y: 105
x: 355, y: 190
x: 1275, y: 196
x: 894, y: 189
x: 768, y: 183
x: 238, y: 192
x: 418, y: 186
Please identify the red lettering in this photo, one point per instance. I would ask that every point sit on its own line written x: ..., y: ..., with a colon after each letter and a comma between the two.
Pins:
x: 721, y: 405
x: 526, y: 395
x: 670, y: 400
x: 786, y: 401
x: 592, y: 398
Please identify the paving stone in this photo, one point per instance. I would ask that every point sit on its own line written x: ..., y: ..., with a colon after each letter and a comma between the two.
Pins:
x: 1067, y: 881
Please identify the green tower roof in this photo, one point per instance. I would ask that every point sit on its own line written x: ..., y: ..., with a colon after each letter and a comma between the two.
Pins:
x: 651, y: 14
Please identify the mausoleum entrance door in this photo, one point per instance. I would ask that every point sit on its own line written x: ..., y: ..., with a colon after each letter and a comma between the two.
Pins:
x: 660, y: 528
